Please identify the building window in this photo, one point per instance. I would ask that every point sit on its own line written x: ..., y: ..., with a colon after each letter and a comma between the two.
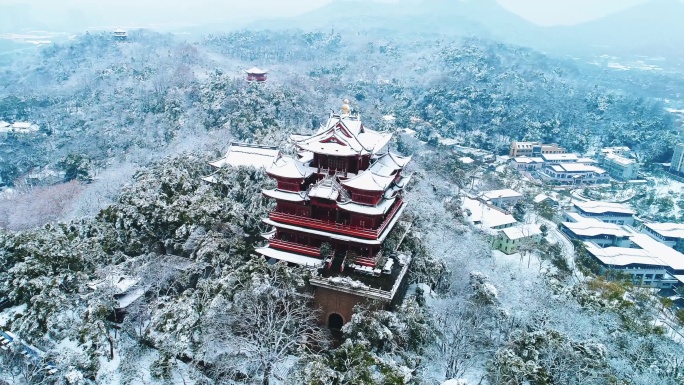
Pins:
x: 288, y: 186
x: 361, y: 198
x: 335, y: 163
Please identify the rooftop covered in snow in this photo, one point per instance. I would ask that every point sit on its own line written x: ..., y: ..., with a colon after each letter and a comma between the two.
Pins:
x: 243, y: 154
x: 668, y: 230
x: 597, y: 207
x: 505, y: 193
x: 344, y: 135
x: 486, y: 215
x: 522, y: 231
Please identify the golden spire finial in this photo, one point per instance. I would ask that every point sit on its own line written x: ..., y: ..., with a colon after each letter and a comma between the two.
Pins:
x: 345, y: 106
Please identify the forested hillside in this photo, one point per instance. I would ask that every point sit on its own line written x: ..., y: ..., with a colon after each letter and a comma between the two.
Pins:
x: 99, y: 99
x: 131, y: 126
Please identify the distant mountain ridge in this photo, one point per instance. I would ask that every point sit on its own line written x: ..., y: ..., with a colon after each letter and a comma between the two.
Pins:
x: 471, y: 17
x: 652, y: 28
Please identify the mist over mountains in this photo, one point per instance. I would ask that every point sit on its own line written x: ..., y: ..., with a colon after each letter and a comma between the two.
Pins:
x: 651, y: 28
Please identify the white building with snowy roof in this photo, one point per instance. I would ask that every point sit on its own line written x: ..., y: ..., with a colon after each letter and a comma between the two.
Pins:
x: 573, y: 174
x: 524, y: 163
x: 618, y: 213
x: 669, y: 234
x: 648, y: 262
x: 512, y: 239
x: 502, y: 198
x: 487, y: 216
x: 601, y: 233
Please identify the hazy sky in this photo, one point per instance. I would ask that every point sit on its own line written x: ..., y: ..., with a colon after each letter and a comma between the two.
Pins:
x: 554, y: 12
x: 544, y: 12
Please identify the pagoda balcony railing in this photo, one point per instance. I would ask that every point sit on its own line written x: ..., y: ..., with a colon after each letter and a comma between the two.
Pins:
x: 295, y: 247
x: 335, y: 227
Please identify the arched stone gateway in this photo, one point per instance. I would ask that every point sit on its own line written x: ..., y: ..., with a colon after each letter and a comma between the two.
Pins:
x: 335, y: 321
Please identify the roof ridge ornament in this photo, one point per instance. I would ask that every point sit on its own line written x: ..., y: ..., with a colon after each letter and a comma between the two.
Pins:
x: 345, y: 107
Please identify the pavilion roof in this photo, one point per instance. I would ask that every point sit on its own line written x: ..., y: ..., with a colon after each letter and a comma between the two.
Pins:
x: 380, y: 209
x: 285, y: 195
x: 343, y: 135
x: 256, y: 71
x: 242, y: 154
x: 287, y: 167
x: 369, y: 181
x: 389, y: 163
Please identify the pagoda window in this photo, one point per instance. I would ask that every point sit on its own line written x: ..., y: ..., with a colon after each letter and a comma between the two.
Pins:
x: 337, y: 163
x: 363, y: 198
x: 288, y: 186
x: 363, y: 221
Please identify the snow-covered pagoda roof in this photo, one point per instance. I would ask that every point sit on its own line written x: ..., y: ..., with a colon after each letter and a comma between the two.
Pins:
x: 256, y: 71
x: 389, y: 163
x: 326, y: 189
x: 379, y: 209
x: 368, y: 181
x: 241, y: 154
x: 289, y: 257
x: 343, y: 135
x: 285, y: 195
x: 287, y: 167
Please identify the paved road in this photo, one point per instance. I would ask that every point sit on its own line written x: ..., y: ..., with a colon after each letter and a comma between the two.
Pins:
x: 554, y: 233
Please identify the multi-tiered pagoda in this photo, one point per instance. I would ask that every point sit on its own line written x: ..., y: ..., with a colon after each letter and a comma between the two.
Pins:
x: 336, y: 202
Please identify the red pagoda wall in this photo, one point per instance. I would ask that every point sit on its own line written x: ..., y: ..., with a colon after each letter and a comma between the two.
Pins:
x: 330, y: 301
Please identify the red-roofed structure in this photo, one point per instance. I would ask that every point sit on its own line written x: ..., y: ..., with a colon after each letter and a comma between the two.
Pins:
x: 336, y: 202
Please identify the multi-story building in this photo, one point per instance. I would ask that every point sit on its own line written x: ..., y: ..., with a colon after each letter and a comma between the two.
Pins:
x: 670, y: 234
x: 648, y: 262
x: 617, y: 150
x: 559, y: 158
x: 608, y: 212
x: 601, y: 233
x: 573, y: 174
x: 616, y: 161
x: 334, y: 207
x: 532, y: 149
x: 677, y: 163
x: 525, y: 163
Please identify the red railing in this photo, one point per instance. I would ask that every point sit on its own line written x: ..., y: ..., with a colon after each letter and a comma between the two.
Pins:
x: 296, y: 247
x: 334, y: 226
x: 370, y: 262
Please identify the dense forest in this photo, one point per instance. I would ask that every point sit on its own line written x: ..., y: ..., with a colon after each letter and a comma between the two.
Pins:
x: 98, y: 99
x: 128, y: 128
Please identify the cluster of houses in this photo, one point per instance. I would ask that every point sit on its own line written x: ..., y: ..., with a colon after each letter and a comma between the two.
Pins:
x: 489, y: 212
x: 552, y: 164
x: 651, y: 253
x: 18, y: 127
